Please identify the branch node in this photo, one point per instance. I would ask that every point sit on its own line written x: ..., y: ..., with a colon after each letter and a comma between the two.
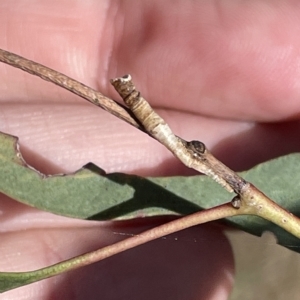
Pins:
x: 236, y: 202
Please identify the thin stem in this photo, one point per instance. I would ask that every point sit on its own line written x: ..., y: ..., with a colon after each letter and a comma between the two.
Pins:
x: 71, y: 85
x: 204, y: 216
x: 219, y: 212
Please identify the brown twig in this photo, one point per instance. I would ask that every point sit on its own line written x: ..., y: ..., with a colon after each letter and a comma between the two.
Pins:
x: 193, y: 154
x: 71, y: 85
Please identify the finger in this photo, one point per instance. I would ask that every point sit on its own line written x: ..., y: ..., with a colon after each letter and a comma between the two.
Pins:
x: 62, y: 38
x: 64, y: 138
x: 194, y: 268
x: 216, y: 59
x: 212, y: 56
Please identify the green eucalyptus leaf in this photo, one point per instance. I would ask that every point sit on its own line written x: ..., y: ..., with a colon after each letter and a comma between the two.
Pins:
x: 89, y: 193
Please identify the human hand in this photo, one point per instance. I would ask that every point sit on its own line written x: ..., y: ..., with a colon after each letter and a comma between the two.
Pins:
x: 211, y: 71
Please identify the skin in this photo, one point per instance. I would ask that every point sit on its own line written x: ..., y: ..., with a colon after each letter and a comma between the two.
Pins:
x: 223, y: 73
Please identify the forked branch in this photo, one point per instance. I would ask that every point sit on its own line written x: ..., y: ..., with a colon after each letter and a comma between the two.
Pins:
x: 194, y: 154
